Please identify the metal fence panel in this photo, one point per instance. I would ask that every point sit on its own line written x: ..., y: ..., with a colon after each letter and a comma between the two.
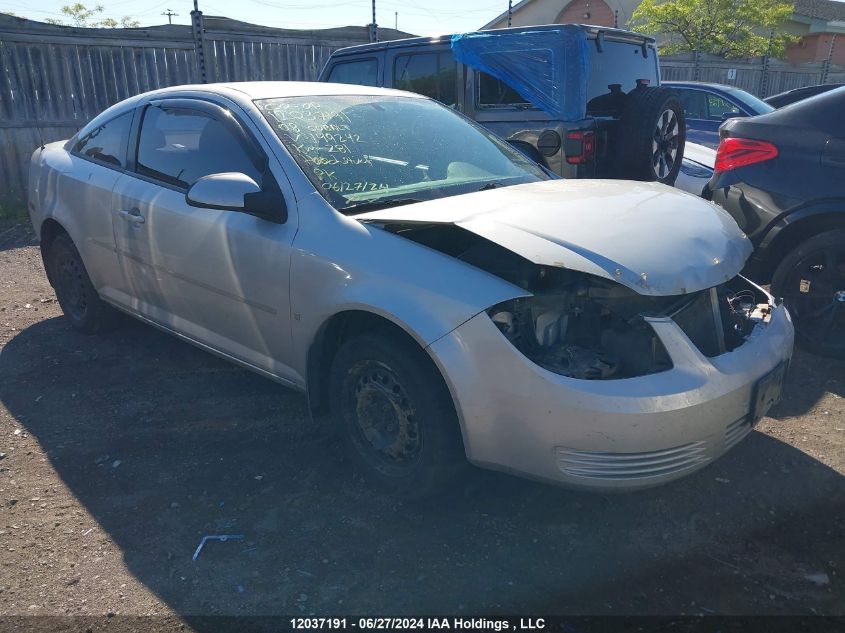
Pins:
x: 757, y: 76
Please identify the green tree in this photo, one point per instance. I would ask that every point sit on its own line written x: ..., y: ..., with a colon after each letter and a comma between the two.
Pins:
x: 82, y: 16
x: 729, y: 28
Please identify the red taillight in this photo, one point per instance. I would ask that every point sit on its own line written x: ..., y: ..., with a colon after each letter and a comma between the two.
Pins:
x: 580, y: 146
x: 740, y: 152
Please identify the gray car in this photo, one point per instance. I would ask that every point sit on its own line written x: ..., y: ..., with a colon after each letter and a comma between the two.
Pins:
x: 435, y: 293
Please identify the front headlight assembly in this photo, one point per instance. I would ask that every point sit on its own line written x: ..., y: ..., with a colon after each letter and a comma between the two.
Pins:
x: 591, y: 329
x: 594, y: 329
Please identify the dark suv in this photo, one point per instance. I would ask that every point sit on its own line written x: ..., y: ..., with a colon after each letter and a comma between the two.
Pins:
x: 583, y: 101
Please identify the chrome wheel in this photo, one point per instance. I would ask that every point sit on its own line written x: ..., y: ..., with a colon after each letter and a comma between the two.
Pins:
x: 664, y: 145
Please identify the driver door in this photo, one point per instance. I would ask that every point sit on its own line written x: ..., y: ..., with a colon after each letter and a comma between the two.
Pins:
x: 219, y: 277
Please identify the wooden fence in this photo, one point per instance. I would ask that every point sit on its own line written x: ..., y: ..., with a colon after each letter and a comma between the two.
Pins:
x: 53, y: 79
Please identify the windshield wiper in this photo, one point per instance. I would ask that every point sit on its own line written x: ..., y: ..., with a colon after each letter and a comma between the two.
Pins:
x: 375, y: 205
x: 492, y: 185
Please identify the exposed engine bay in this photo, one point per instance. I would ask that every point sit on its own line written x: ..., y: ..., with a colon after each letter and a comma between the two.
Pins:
x: 586, y: 327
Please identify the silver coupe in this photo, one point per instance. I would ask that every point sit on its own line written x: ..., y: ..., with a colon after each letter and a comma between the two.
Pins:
x: 438, y: 296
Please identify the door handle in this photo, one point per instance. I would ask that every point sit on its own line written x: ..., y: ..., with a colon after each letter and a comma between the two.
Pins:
x: 133, y: 215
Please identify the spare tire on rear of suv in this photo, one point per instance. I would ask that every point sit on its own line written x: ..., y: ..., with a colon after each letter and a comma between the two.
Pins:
x: 651, y: 135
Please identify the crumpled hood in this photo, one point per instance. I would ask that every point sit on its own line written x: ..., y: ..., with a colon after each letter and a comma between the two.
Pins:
x: 652, y: 238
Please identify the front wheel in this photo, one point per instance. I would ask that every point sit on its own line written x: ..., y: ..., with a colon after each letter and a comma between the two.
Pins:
x: 811, y: 280
x: 395, y: 413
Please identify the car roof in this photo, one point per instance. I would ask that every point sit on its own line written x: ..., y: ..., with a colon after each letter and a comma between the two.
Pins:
x: 813, y: 88
x: 809, y: 110
x: 700, y: 84
x: 445, y: 39
x: 272, y: 89
x: 246, y: 91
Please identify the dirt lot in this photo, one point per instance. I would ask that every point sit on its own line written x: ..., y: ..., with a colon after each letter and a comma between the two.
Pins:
x: 119, y: 452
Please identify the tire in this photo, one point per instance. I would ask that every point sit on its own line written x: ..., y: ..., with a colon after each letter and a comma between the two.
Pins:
x: 651, y: 136
x: 77, y: 297
x: 395, y: 415
x: 811, y: 280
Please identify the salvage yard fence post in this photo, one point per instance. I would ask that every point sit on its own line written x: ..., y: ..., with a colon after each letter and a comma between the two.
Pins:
x: 197, y: 28
x: 54, y: 79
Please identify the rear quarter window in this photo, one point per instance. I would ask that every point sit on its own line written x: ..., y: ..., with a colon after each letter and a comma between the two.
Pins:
x: 361, y: 72
x: 493, y: 92
x: 106, y: 142
x: 434, y: 75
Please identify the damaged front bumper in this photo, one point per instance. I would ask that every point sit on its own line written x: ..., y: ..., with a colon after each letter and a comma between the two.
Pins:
x: 608, y: 434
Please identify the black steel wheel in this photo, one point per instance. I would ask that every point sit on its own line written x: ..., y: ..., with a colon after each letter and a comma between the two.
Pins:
x: 77, y: 297
x: 385, y: 426
x: 811, y: 280
x: 396, y: 415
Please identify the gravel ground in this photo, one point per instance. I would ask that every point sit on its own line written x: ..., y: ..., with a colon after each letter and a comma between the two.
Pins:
x: 119, y: 452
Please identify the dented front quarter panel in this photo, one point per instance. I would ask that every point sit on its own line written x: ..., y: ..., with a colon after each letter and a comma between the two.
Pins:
x: 339, y: 264
x: 651, y: 238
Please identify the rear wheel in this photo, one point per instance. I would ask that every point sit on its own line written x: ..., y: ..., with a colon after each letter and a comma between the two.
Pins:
x: 811, y: 280
x: 77, y: 297
x: 397, y: 418
x: 652, y: 134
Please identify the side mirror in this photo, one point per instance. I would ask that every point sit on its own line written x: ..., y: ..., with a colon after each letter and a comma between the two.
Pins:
x: 222, y: 191
x: 233, y: 191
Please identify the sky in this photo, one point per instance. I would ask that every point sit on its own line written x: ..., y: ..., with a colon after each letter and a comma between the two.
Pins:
x: 421, y: 17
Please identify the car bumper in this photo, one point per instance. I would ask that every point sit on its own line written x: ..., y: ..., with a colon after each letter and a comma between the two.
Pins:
x: 606, y: 434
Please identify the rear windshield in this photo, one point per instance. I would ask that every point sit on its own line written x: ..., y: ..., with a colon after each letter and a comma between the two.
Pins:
x: 611, y: 74
x: 615, y: 71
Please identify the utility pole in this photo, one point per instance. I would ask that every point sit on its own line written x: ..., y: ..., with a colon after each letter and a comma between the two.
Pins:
x: 170, y: 15
x: 510, y: 12
x: 374, y: 26
x: 395, y: 20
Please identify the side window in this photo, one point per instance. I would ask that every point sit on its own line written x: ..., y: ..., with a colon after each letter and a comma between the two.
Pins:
x: 362, y: 72
x: 434, y: 75
x: 494, y: 92
x: 106, y: 143
x: 695, y: 103
x: 179, y: 146
x: 719, y: 107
